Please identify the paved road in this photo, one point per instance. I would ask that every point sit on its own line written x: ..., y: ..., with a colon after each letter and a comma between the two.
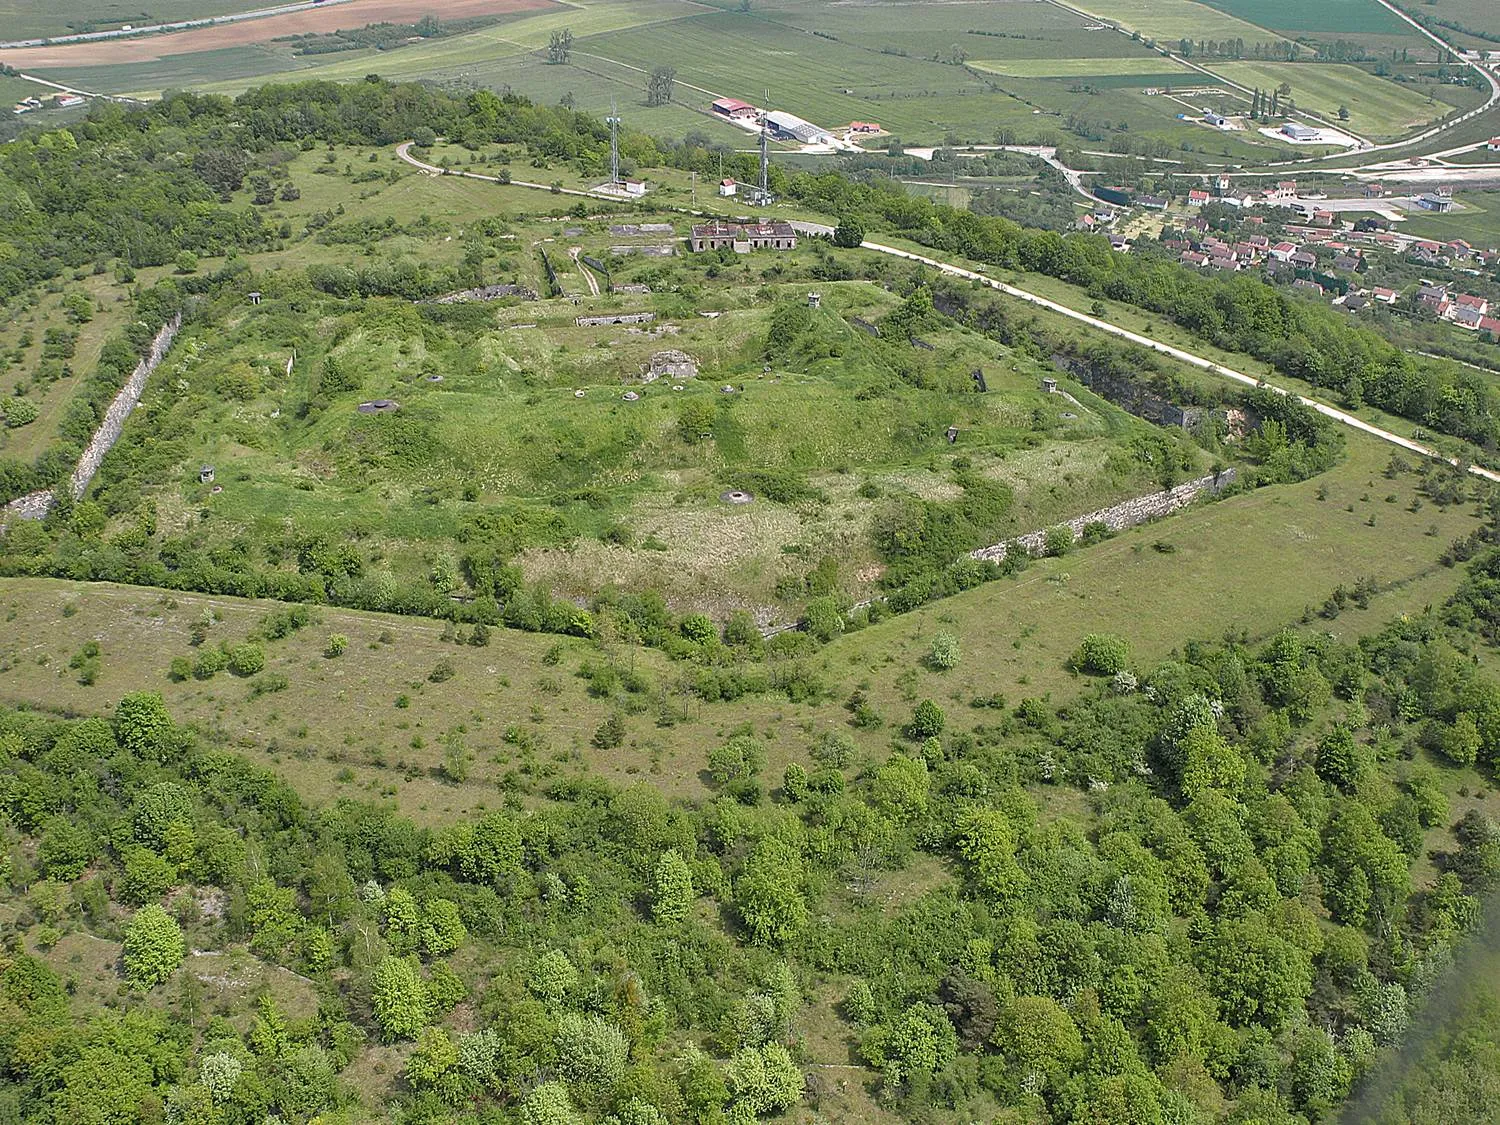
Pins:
x: 1187, y: 357
x: 1178, y: 354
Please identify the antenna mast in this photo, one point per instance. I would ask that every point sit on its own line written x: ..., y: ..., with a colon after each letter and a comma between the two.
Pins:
x: 614, y: 144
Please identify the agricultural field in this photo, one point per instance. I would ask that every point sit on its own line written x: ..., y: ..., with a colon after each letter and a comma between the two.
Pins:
x: 1472, y: 24
x: 33, y: 19
x: 1378, y: 109
x: 1168, y: 21
x: 1364, y: 22
x: 828, y: 63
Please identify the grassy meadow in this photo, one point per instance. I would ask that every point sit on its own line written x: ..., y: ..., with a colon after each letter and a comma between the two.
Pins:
x: 1252, y: 562
x: 1377, y: 108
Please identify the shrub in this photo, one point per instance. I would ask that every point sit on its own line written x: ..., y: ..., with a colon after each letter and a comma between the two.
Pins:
x: 209, y: 663
x: 247, y: 660
x: 20, y: 412
x: 943, y: 656
x: 153, y: 947
x: 823, y: 619
x: 444, y: 670
x: 1103, y: 654
x: 337, y: 645
x: 927, y: 721
x: 611, y: 732
x: 181, y: 669
x: 1057, y: 542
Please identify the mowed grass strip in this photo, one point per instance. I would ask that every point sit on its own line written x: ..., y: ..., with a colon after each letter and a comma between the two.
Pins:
x: 1377, y: 108
x: 1078, y: 68
x: 1171, y: 20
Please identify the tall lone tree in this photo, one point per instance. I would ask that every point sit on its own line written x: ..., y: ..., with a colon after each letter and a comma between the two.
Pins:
x: 560, y: 46
x: 659, y: 85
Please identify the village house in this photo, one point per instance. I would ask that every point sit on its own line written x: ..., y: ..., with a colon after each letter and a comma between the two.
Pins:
x: 728, y: 187
x: 1197, y: 198
x: 1283, y: 251
x: 1386, y: 296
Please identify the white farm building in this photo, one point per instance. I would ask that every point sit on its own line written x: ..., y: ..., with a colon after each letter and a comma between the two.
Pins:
x: 792, y: 127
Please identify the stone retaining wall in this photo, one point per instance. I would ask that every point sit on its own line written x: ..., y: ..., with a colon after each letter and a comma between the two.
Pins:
x: 1132, y: 513
x: 36, y: 505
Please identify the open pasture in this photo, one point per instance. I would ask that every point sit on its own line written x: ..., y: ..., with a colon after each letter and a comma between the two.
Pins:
x: 1377, y: 108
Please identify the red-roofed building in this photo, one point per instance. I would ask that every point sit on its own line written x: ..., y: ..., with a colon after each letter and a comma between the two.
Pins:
x: 1494, y: 145
x: 1491, y: 325
x: 863, y: 127
x: 734, y: 109
x: 1198, y: 198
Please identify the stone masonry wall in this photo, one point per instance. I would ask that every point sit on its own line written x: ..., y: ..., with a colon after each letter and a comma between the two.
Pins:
x: 36, y: 505
x: 1131, y: 513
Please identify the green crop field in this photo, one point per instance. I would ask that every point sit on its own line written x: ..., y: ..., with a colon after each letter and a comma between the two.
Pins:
x: 1152, y: 65
x: 1480, y: 18
x: 1171, y: 20
x: 31, y: 19
x: 1351, y: 18
x: 1378, y: 108
x: 1366, y: 23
